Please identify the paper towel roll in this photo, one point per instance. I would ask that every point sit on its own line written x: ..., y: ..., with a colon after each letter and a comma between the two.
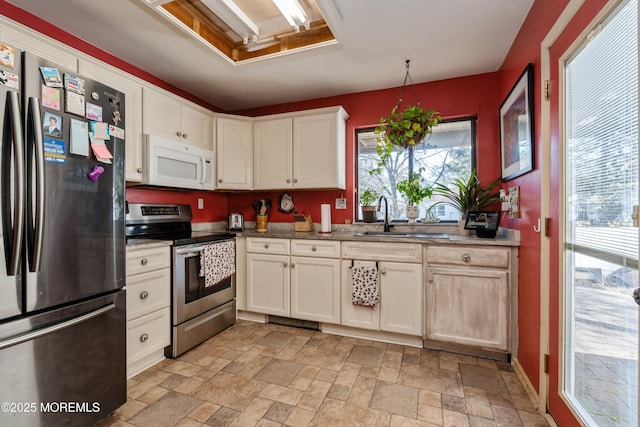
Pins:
x: 325, y: 218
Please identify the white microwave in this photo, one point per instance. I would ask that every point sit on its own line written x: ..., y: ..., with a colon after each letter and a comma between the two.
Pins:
x: 174, y: 164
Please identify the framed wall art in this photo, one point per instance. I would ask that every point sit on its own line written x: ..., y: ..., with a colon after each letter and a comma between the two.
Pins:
x: 516, y: 128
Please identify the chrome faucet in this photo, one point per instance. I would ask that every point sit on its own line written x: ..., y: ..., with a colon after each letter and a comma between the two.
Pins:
x: 387, y: 226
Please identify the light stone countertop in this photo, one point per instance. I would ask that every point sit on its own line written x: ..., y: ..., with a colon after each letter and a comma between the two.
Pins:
x: 505, y: 237
x: 346, y: 232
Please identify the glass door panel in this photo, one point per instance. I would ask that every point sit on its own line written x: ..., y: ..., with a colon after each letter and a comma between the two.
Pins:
x: 600, y: 325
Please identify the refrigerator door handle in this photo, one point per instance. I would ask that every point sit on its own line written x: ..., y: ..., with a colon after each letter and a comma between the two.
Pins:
x: 55, y: 328
x: 36, y: 157
x: 12, y: 216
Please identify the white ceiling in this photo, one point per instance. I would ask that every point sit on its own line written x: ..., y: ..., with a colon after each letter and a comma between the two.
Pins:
x: 443, y: 39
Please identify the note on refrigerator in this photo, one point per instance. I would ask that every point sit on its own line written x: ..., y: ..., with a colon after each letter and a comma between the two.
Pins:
x: 79, y: 138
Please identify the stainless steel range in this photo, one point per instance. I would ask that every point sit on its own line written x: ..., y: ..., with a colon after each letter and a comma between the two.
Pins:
x: 203, y: 272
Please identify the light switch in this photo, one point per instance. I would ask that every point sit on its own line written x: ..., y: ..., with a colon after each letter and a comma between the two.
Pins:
x: 200, y: 203
x: 341, y: 203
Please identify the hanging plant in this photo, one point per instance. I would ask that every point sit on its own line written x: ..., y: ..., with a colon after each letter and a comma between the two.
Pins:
x: 403, y: 129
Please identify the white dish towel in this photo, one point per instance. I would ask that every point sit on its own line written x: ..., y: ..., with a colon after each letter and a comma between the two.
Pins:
x: 365, y: 284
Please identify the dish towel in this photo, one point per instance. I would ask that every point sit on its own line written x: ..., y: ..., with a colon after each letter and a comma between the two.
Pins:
x: 366, y: 288
x: 217, y: 262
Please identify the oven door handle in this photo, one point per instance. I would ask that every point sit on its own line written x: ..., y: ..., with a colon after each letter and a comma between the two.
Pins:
x: 190, y: 251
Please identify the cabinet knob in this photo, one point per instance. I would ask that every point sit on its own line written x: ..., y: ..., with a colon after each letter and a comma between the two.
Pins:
x: 220, y: 180
x: 430, y: 280
x: 144, y: 261
x: 383, y: 271
x: 144, y: 295
x: 466, y: 257
x: 313, y: 249
x: 295, y: 180
x: 179, y: 133
x: 293, y: 264
x: 139, y: 170
x: 266, y: 246
x: 288, y: 180
x: 285, y: 265
x: 144, y: 337
x: 184, y: 135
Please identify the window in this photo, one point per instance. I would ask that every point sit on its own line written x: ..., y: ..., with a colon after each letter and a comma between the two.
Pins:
x: 447, y: 154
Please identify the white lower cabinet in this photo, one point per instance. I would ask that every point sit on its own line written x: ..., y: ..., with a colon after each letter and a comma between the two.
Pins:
x: 304, y: 285
x: 400, y: 308
x: 469, y: 297
x: 268, y: 284
x: 148, y: 298
x: 315, y: 289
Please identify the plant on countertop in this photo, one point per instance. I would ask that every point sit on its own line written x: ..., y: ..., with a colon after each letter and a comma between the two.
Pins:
x: 415, y: 189
x: 367, y: 197
x: 467, y: 195
x: 403, y: 129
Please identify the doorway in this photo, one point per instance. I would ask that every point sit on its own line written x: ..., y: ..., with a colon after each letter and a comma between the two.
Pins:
x: 594, y: 334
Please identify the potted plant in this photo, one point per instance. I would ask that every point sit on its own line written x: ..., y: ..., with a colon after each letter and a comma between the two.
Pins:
x: 467, y: 195
x: 415, y: 191
x: 403, y: 129
x: 367, y: 199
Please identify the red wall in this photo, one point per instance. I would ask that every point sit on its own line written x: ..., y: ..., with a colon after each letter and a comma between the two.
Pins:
x: 526, y: 49
x: 466, y: 96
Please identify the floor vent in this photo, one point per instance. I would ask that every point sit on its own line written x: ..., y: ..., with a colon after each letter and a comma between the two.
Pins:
x: 296, y: 323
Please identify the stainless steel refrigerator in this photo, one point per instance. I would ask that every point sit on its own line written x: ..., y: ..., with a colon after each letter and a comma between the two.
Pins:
x: 62, y: 306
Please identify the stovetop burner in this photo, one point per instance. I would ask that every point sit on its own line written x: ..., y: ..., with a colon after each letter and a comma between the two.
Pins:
x: 167, y: 222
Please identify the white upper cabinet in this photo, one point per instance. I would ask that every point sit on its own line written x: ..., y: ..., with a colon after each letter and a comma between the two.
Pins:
x: 273, y: 150
x: 39, y: 45
x: 302, y: 150
x: 319, y: 150
x: 174, y: 119
x: 234, y: 153
x: 132, y: 112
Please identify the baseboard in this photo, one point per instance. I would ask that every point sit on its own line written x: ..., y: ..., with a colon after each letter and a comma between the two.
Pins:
x: 524, y: 379
x: 251, y: 316
x: 367, y: 334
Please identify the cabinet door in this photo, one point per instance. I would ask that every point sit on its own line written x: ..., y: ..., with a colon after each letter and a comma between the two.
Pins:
x: 234, y: 146
x: 41, y: 46
x: 401, y: 298
x: 468, y: 306
x: 354, y: 315
x: 273, y: 151
x: 161, y: 115
x: 268, y: 284
x: 318, y: 151
x: 315, y: 289
x: 196, y: 127
x: 132, y: 114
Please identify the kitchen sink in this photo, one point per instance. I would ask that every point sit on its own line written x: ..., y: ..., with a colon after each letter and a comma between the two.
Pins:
x: 402, y: 234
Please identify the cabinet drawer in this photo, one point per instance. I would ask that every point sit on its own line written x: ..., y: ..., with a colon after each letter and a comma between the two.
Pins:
x: 316, y: 248
x: 147, y: 334
x: 148, y: 292
x: 382, y: 251
x: 469, y: 255
x: 266, y: 245
x: 147, y: 259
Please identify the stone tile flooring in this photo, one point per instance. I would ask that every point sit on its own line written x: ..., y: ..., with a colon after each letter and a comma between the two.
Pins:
x: 267, y: 375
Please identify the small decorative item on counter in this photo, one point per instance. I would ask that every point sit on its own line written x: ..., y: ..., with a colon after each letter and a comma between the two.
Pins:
x: 302, y: 223
x: 262, y: 223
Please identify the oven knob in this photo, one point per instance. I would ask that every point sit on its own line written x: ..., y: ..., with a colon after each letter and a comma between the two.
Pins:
x: 144, y: 295
x: 144, y: 337
x: 144, y: 261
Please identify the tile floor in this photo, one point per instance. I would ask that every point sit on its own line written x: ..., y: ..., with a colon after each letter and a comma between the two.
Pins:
x: 271, y: 375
